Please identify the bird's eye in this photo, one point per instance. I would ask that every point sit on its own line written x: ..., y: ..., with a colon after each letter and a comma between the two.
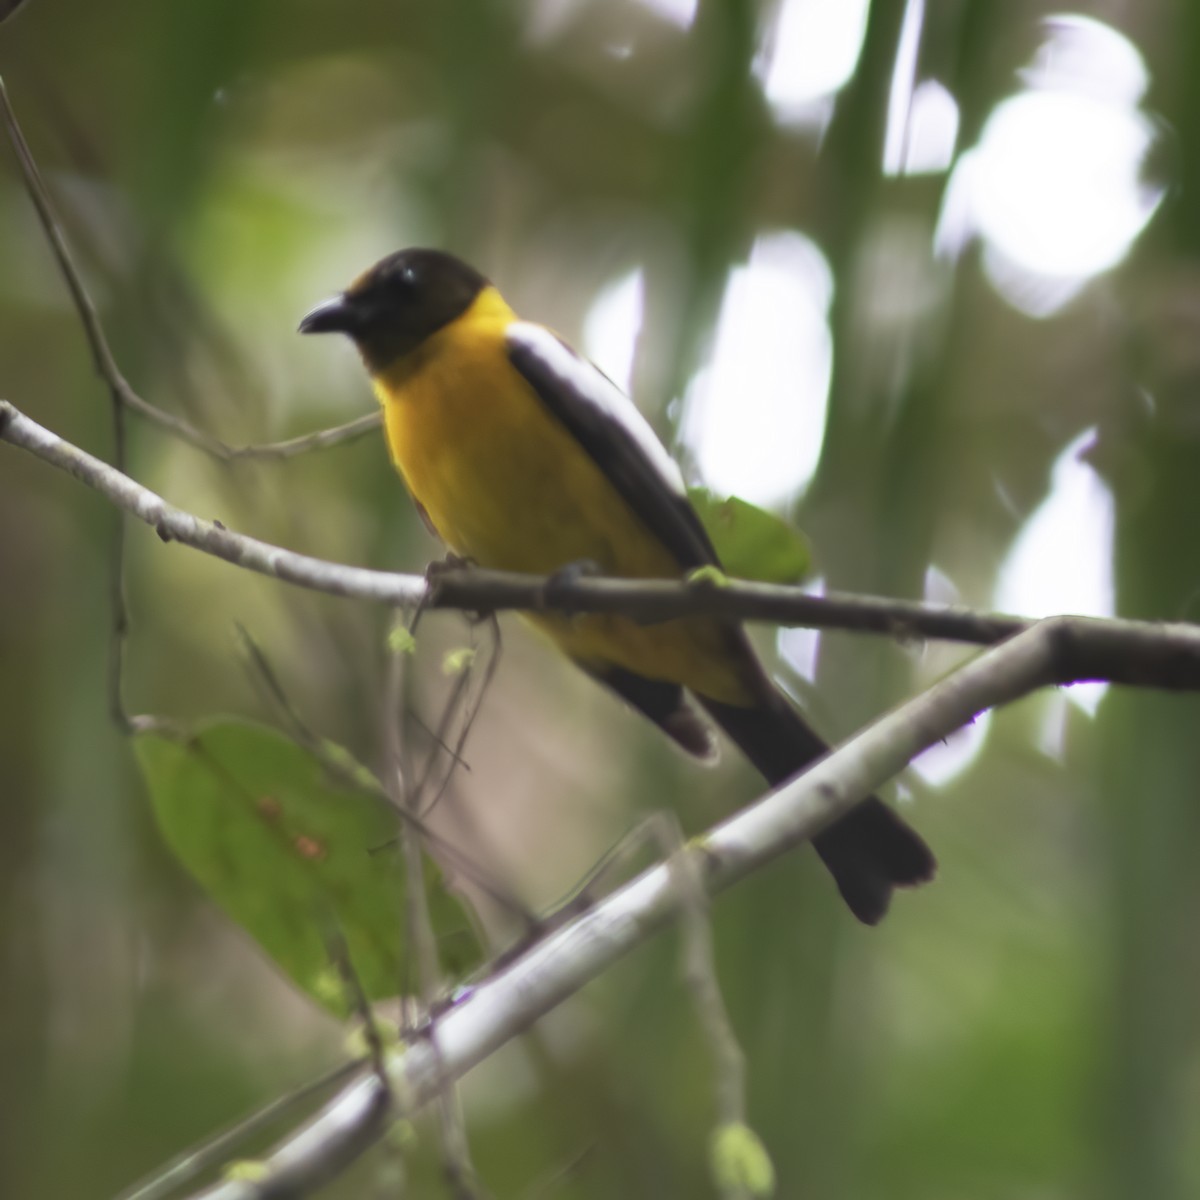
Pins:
x: 408, y: 277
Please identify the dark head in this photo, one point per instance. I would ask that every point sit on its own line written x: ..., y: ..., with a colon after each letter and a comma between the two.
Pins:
x: 390, y: 309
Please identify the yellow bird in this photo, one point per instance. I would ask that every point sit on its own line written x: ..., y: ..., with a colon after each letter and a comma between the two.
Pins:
x: 523, y: 456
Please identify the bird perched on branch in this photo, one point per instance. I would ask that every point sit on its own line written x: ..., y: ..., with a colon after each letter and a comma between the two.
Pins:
x: 523, y: 456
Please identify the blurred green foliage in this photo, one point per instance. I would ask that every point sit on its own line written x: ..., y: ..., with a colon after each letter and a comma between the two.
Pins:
x: 1024, y: 1028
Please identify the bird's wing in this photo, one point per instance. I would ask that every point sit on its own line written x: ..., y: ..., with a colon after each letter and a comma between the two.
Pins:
x: 608, y: 425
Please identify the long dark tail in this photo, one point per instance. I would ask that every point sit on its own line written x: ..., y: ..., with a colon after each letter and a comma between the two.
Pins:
x: 869, y: 851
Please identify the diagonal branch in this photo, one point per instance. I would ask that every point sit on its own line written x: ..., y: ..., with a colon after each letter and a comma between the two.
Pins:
x: 200, y: 1160
x: 173, y: 524
x: 512, y: 999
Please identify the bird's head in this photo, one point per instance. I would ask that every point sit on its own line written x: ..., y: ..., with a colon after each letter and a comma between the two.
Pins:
x: 392, y: 307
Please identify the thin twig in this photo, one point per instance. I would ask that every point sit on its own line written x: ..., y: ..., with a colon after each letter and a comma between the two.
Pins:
x: 450, y: 711
x: 118, y: 603
x: 436, y: 740
x: 102, y: 355
x: 105, y: 364
x: 557, y: 1175
x: 418, y: 925
x: 262, y: 671
x: 460, y: 1172
x: 700, y: 971
x: 321, y: 439
x: 465, y: 707
x: 339, y: 954
x: 188, y: 1166
x: 355, y: 775
x: 662, y: 831
x: 422, y: 941
x: 106, y: 367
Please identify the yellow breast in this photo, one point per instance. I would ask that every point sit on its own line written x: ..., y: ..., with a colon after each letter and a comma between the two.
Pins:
x: 503, y: 482
x: 506, y: 485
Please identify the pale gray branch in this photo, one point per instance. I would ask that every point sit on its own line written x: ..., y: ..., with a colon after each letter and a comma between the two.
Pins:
x: 173, y: 524
x: 518, y: 994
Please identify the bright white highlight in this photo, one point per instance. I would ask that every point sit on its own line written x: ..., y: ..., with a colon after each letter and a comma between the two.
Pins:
x: 1054, y: 186
x: 900, y: 94
x: 678, y: 12
x: 592, y: 388
x: 1085, y: 55
x: 944, y: 761
x: 755, y: 416
x: 611, y: 327
x: 813, y: 51
x: 1061, y: 561
x: 800, y: 647
x: 932, y: 131
x: 549, y: 19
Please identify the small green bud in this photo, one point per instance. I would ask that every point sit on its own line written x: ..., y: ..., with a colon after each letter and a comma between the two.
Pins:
x: 329, y: 988
x: 740, y: 1162
x: 457, y: 661
x: 401, y: 641
x: 246, y: 1170
x: 708, y: 576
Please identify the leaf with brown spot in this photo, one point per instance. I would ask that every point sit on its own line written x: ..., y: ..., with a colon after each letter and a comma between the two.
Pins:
x: 293, y: 856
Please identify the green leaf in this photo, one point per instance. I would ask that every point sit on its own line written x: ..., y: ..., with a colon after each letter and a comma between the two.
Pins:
x: 740, y: 1162
x: 708, y: 576
x: 246, y: 1170
x: 750, y: 542
x: 305, y: 863
x: 455, y: 662
x: 401, y: 641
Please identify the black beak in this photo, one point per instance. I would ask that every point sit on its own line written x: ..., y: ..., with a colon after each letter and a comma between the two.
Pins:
x: 335, y: 315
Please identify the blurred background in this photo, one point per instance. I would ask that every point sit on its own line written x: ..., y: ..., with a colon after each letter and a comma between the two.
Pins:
x: 924, y: 277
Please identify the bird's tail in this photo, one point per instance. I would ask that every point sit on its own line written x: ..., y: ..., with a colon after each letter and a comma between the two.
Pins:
x: 869, y: 851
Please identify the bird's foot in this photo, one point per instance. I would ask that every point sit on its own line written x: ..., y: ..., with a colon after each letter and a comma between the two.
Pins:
x: 559, y: 582
x: 448, y: 564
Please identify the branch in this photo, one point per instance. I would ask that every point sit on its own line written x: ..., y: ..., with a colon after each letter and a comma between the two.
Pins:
x: 1139, y: 653
x: 173, y: 524
x: 322, y: 439
x: 200, y: 1160
x: 102, y: 356
x: 511, y: 1000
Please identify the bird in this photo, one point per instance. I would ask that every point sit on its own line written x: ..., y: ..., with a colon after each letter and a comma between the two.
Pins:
x: 521, y: 455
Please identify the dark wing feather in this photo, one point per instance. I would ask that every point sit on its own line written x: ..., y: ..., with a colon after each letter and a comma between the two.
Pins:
x: 871, y: 850
x: 607, y: 424
x: 663, y: 703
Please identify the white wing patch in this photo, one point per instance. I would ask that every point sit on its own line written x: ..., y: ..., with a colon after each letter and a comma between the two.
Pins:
x: 596, y: 390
